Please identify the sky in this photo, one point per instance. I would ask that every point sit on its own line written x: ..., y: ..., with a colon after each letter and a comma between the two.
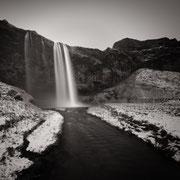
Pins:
x: 95, y: 23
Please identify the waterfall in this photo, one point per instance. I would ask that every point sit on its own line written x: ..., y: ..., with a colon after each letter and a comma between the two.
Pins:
x: 49, y: 92
x: 66, y: 93
x: 27, y: 55
x: 39, y: 69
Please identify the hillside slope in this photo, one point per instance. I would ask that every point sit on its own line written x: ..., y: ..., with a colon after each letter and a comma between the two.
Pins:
x: 144, y: 85
x: 155, y: 123
x: 23, y: 127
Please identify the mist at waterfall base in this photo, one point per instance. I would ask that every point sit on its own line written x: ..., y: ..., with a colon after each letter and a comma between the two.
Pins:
x: 50, y: 82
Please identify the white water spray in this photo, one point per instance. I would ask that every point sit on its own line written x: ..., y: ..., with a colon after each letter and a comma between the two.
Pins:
x: 27, y: 61
x: 66, y: 92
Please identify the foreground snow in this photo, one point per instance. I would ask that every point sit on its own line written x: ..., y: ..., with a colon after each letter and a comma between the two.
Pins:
x: 21, y: 121
x: 45, y: 134
x: 156, y: 123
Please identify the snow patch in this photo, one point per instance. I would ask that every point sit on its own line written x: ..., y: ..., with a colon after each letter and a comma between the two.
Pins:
x: 46, y: 134
x: 18, y: 118
x: 155, y: 123
x: 13, y: 164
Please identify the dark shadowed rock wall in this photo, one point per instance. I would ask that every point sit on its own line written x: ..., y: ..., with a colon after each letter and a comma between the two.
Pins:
x: 159, y: 54
x: 39, y: 65
x: 12, y: 56
x: 12, y: 65
x: 95, y: 70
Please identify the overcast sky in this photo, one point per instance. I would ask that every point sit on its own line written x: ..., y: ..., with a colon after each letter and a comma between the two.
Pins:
x: 95, y: 23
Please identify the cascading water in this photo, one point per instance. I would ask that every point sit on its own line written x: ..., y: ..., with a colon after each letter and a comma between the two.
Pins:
x: 39, y: 66
x: 27, y: 61
x: 49, y: 92
x: 66, y: 92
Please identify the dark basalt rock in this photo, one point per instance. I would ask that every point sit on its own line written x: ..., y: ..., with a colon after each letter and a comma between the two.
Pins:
x: 159, y: 54
x: 41, y: 64
x: 12, y: 57
x: 94, y: 70
x: 128, y: 44
x: 12, y: 66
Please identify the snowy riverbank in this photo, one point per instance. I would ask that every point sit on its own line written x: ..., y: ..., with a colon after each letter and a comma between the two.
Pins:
x: 155, y: 123
x: 20, y: 122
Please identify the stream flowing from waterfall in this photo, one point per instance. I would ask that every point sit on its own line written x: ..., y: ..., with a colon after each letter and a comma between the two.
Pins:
x: 66, y: 93
x: 90, y: 149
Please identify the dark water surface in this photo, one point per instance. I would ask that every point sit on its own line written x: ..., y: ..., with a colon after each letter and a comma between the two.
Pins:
x: 91, y: 149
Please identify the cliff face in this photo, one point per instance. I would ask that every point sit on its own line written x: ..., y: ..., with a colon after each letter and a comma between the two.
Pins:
x: 39, y: 65
x: 95, y: 70
x: 128, y: 44
x: 159, y: 54
x: 12, y: 54
x: 12, y: 65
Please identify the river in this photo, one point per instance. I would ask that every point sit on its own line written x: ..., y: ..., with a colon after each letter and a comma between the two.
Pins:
x: 90, y: 149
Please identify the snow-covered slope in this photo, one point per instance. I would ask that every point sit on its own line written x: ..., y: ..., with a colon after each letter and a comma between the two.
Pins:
x: 22, y: 121
x: 156, y: 123
x: 145, y: 85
